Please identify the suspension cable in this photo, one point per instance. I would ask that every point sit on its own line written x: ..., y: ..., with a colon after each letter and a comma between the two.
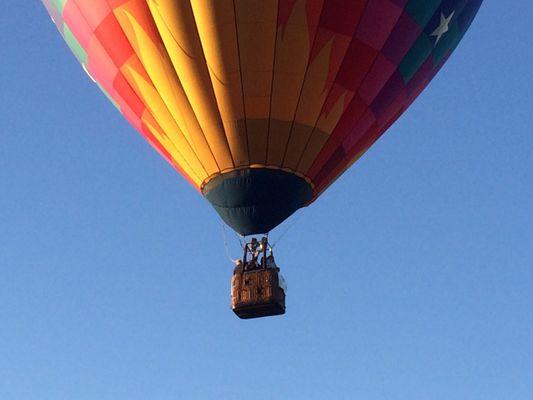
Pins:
x: 224, y: 236
x: 240, y: 238
x: 288, y: 228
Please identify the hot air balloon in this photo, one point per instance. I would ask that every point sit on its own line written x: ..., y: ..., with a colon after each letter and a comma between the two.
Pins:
x: 262, y: 104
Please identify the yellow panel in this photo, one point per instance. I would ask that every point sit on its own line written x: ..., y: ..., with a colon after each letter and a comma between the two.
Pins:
x: 327, y: 122
x: 149, y: 95
x: 256, y: 28
x: 215, y: 21
x: 317, y: 86
x: 156, y: 112
x: 135, y: 21
x: 176, y: 24
x: 177, y: 157
x: 293, y: 46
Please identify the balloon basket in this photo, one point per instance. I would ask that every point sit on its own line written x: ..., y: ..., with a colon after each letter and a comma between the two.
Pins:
x: 257, y: 293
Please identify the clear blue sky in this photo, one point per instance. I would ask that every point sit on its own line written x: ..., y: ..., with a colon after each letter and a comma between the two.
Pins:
x: 411, y: 278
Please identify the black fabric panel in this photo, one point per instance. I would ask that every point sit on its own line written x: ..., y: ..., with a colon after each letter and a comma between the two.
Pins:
x: 256, y: 200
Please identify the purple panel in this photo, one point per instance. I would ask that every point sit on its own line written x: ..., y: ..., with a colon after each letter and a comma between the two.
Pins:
x: 377, y: 22
x: 401, y: 39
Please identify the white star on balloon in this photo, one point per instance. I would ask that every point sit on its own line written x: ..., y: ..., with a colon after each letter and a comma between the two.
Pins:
x: 443, y: 27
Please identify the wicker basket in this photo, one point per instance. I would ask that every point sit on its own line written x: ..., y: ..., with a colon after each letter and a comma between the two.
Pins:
x: 257, y: 293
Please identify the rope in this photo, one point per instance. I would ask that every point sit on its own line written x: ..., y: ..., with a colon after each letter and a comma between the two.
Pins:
x: 224, y: 236
x: 288, y: 228
x: 242, y: 238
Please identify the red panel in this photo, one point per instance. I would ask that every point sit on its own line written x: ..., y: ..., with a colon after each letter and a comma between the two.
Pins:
x: 114, y: 41
x: 94, y: 12
x: 100, y: 65
x: 401, y: 39
x: 356, y: 64
x: 141, y: 13
x: 77, y: 25
x: 124, y: 89
x: 327, y: 170
x: 342, y: 159
x: 391, y: 98
x: 355, y: 111
x: 377, y: 22
x: 363, y: 126
x: 379, y: 74
x: 341, y: 16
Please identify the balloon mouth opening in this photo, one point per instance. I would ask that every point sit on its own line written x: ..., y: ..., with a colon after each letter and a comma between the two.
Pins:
x: 256, y: 200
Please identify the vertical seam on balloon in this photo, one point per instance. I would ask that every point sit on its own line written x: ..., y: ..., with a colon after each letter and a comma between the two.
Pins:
x: 303, y: 82
x: 272, y: 83
x: 242, y: 83
x: 190, y: 143
x: 133, y: 89
x: 178, y: 78
x: 212, y: 86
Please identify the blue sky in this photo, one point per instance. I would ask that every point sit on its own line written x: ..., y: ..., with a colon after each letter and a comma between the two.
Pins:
x: 411, y: 278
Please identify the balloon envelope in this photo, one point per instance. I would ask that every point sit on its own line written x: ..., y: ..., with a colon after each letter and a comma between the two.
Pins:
x: 262, y: 104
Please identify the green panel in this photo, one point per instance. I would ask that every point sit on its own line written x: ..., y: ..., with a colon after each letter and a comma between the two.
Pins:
x: 447, y: 43
x: 422, y: 10
x: 59, y: 5
x: 74, y: 45
x: 256, y: 200
x: 415, y: 57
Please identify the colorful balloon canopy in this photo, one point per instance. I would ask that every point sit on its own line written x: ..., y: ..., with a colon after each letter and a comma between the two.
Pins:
x: 262, y: 104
